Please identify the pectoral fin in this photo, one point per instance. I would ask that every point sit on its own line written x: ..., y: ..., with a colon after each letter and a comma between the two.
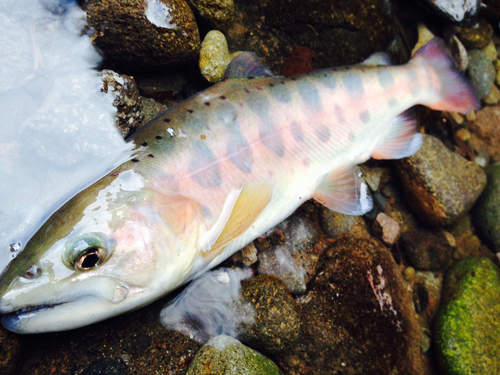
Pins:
x: 242, y: 207
x: 344, y: 191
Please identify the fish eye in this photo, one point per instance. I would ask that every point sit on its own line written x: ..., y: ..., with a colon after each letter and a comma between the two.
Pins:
x: 85, y: 252
x: 32, y: 272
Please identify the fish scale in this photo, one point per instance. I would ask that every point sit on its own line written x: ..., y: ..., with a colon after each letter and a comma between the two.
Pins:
x: 216, y: 171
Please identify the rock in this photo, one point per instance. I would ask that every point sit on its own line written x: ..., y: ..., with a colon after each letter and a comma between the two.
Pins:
x: 424, y: 36
x: 299, y: 233
x: 477, y: 36
x: 138, y: 34
x: 218, y: 13
x: 493, y: 98
x: 161, y: 86
x: 486, y: 128
x: 10, y: 346
x: 487, y: 211
x: 336, y: 224
x: 481, y: 72
x: 278, y: 262
x: 276, y: 323
x: 459, y: 54
x: 105, y: 366
x: 386, y: 228
x: 440, y: 185
x: 427, y: 249
x: 298, y: 62
x: 214, y: 56
x: 490, y: 51
x: 357, y: 308
x: 467, y: 326
x: 460, y: 12
x: 127, y: 100
x: 427, y: 287
x: 491, y: 10
x: 224, y: 355
x: 247, y: 255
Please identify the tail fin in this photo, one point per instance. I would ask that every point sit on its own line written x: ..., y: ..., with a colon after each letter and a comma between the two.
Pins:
x: 455, y: 92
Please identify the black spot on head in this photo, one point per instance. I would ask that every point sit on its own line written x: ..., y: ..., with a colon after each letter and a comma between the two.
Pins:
x: 151, y: 155
x: 272, y: 85
x: 158, y: 137
x: 167, y: 120
x: 247, y: 91
x: 190, y: 111
x: 222, y: 97
x: 207, y: 103
x: 135, y: 160
x: 144, y: 144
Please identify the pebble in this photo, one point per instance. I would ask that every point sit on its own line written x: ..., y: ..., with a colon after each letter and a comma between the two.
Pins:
x: 477, y: 36
x: 487, y: 210
x: 497, y: 68
x: 467, y: 325
x: 493, y: 98
x: 214, y: 56
x: 139, y: 34
x: 386, y: 228
x: 336, y: 224
x: 424, y: 36
x: 300, y: 233
x: 218, y: 14
x: 481, y: 72
x: 491, y: 51
x: 224, y: 355
x: 440, y: 185
x: 458, y: 11
x: 486, y: 128
x: 274, y: 323
x: 127, y: 100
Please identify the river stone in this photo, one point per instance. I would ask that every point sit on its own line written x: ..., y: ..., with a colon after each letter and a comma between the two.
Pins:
x: 139, y: 34
x: 214, y: 56
x: 440, y: 185
x: 224, y: 355
x: 460, y: 12
x: 477, y: 36
x: 276, y: 323
x: 481, y: 72
x: 218, y: 14
x: 336, y: 224
x: 487, y: 210
x: 486, y: 128
x: 10, y: 346
x: 467, y: 325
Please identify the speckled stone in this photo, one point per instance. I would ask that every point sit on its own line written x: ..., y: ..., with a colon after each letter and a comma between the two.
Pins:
x: 218, y: 13
x: 481, y: 72
x: 224, y: 355
x: 467, y: 325
x: 10, y: 346
x: 460, y: 12
x: 105, y: 366
x: 336, y: 224
x: 440, y: 185
x: 477, y: 36
x: 214, y: 56
x: 486, y: 128
x: 491, y: 51
x: 493, y: 97
x: 134, y: 35
x: 276, y: 323
x: 487, y: 210
x: 127, y: 100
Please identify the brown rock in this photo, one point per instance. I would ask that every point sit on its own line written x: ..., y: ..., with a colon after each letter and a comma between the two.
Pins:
x: 487, y: 128
x: 218, y: 13
x: 386, y: 228
x: 440, y: 185
x: 477, y: 36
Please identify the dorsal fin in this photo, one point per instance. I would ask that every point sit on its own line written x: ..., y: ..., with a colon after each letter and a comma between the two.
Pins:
x: 247, y: 65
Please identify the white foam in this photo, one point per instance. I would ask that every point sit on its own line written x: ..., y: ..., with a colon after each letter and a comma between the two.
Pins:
x: 57, y: 129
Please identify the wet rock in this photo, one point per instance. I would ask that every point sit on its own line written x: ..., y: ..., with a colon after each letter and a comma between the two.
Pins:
x: 247, y: 255
x: 161, y: 86
x: 224, y: 355
x: 140, y: 34
x: 357, y: 317
x: 440, y: 185
x: 477, y: 36
x: 424, y: 36
x: 461, y: 12
x: 386, y: 228
x: 486, y: 128
x: 278, y: 262
x: 298, y: 62
x: 493, y: 98
x: 128, y: 102
x: 152, y: 108
x: 276, y: 322
x: 214, y: 56
x: 487, y: 210
x: 105, y: 366
x: 491, y: 51
x: 467, y: 326
x: 218, y: 14
x: 10, y: 346
x: 336, y: 224
x: 481, y: 72
x: 299, y: 233
x: 426, y: 289
x: 427, y: 249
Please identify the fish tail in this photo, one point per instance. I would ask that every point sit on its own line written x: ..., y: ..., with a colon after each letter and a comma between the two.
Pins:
x: 454, y: 92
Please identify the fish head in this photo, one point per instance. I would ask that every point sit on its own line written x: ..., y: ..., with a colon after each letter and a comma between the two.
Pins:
x: 103, y: 253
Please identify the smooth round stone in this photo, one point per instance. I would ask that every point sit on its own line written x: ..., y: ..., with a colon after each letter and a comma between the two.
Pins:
x: 467, y: 325
x: 481, y: 72
x: 224, y: 355
x: 487, y: 210
x: 440, y: 186
x: 214, y: 56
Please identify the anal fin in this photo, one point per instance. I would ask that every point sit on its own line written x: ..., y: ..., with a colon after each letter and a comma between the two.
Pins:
x: 344, y: 191
x: 242, y: 207
x: 402, y: 140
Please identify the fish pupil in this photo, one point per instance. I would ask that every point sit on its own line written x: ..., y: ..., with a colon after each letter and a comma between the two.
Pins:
x: 90, y: 259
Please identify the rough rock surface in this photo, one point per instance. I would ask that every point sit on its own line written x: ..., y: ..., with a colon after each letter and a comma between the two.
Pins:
x: 218, y: 14
x: 214, y: 56
x: 486, y: 128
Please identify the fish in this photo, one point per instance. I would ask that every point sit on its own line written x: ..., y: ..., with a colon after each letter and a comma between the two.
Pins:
x: 216, y: 171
